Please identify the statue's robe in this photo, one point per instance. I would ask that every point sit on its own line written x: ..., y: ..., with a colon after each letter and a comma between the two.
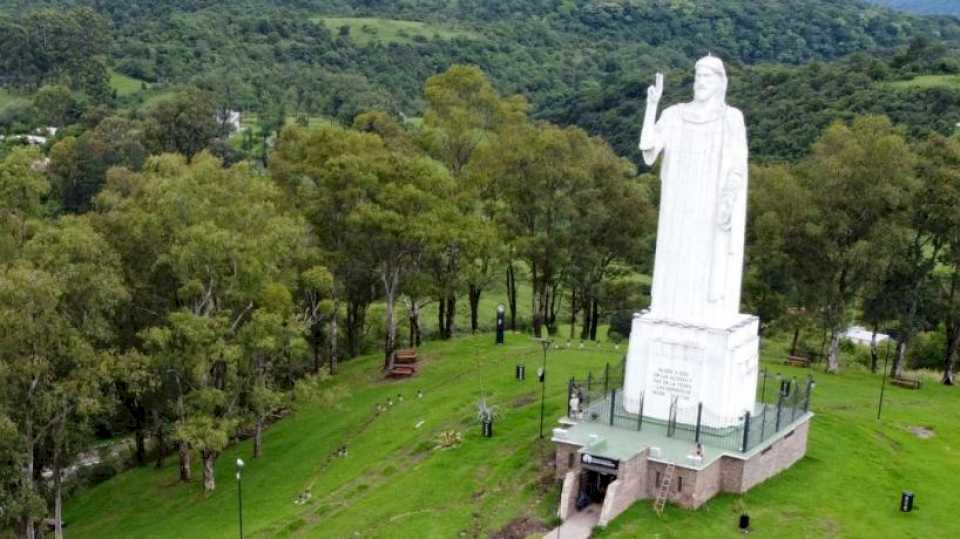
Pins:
x: 699, y: 260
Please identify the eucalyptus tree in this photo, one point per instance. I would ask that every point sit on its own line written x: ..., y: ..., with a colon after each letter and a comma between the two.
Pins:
x: 220, y: 237
x: 860, y: 177
x: 463, y: 114
x: 57, y: 301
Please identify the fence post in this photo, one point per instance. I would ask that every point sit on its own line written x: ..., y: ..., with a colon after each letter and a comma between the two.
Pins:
x: 763, y: 422
x: 623, y: 370
x: 613, y: 404
x: 763, y: 385
x: 640, y: 413
x: 606, y: 379
x: 779, y: 411
x: 699, y: 416
x: 570, y: 411
x: 746, y: 432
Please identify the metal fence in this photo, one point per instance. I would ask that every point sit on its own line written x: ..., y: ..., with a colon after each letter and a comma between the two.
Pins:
x: 599, y: 399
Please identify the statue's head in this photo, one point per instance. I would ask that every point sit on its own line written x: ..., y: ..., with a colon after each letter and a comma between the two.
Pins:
x: 711, y: 80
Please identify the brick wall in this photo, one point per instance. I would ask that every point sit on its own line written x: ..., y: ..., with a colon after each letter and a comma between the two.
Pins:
x: 780, y: 456
x: 630, y: 486
x: 564, y: 452
x: 568, y: 496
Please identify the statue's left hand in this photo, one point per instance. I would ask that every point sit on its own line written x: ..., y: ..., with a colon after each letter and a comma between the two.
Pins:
x: 728, y: 197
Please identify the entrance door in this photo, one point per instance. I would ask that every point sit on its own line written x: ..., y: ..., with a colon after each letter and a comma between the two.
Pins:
x: 593, y: 488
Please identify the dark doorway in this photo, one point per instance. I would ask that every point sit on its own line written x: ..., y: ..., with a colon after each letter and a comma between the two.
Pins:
x: 593, y: 488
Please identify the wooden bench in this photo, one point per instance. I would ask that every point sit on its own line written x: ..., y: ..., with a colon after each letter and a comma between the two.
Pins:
x: 797, y: 361
x: 909, y: 383
x: 402, y: 371
x: 407, y: 356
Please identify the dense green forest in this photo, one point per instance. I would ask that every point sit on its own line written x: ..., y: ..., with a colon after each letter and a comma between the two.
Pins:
x: 583, y: 63
x: 190, y: 275
x: 927, y: 7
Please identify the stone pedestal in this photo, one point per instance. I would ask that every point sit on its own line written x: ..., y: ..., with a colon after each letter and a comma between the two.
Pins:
x: 716, y: 366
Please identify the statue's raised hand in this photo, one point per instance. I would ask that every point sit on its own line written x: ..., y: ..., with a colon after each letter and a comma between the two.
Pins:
x: 655, y: 92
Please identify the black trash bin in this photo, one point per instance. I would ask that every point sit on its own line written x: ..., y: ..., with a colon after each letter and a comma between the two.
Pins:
x: 906, y: 501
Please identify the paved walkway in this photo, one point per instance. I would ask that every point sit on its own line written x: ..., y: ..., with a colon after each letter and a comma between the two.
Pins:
x: 579, y: 526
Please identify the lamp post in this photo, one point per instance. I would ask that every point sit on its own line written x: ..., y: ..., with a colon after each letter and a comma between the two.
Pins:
x: 501, y: 321
x: 883, y: 383
x: 545, y: 343
x: 240, y: 493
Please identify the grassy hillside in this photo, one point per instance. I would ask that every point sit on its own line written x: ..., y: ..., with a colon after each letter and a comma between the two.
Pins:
x: 124, y: 85
x: 395, y: 483
x: 929, y: 81
x: 366, y: 30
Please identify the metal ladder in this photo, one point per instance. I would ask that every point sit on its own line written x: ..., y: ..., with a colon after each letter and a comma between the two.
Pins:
x: 664, y: 491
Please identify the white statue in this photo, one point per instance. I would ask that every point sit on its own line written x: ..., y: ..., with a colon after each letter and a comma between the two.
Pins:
x: 694, y: 347
x: 699, y: 259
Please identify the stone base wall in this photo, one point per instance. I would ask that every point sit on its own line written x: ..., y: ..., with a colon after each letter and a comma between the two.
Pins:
x: 630, y: 486
x: 778, y: 457
x: 638, y: 478
x: 566, y: 454
x: 568, y: 495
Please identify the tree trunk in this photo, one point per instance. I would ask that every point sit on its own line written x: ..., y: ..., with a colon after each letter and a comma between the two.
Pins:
x: 391, y: 281
x: 587, y: 317
x: 595, y: 320
x: 573, y: 312
x: 874, y: 351
x: 139, y: 437
x: 316, y: 344
x: 412, y: 322
x: 796, y: 340
x: 356, y: 319
x: 442, y: 318
x: 184, y: 451
x: 474, y: 308
x: 451, y: 315
x: 950, y: 354
x: 512, y: 296
x: 58, y: 491
x: 833, y: 357
x: 414, y: 314
x: 161, y: 444
x: 899, y: 359
x: 209, y: 479
x: 953, y: 331
x: 334, y: 329
x: 27, y: 523
x: 258, y: 438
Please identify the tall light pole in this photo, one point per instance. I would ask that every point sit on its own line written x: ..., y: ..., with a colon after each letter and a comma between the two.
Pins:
x: 883, y: 382
x: 545, y: 343
x: 240, y: 493
x: 501, y: 322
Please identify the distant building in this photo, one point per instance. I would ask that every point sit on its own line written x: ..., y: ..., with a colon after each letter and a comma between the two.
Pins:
x: 863, y: 336
x: 33, y: 140
x: 230, y: 119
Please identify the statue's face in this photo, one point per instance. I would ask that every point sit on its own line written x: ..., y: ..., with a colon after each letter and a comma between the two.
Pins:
x: 707, y: 85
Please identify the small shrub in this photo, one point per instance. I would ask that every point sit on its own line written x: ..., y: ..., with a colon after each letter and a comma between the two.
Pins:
x: 98, y: 473
x: 926, y: 350
x: 449, y: 438
x: 615, y: 336
x: 621, y: 323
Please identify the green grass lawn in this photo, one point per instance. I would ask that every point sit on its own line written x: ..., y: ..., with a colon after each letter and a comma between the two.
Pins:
x: 367, y: 30
x: 394, y: 483
x: 124, y: 85
x: 928, y: 81
x: 9, y: 98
